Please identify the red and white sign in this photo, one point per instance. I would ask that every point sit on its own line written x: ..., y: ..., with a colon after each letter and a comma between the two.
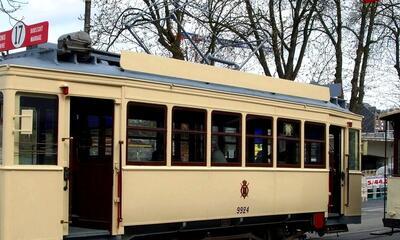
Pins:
x: 375, y: 181
x: 22, y: 35
x: 370, y: 1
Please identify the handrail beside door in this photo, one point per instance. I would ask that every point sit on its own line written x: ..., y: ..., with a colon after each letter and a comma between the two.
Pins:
x: 347, y: 181
x: 120, y: 183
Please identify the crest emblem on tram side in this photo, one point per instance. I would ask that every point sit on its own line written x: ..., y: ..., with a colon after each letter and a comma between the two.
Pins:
x: 244, y: 190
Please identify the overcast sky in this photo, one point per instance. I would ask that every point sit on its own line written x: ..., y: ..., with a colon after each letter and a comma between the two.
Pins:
x: 62, y: 16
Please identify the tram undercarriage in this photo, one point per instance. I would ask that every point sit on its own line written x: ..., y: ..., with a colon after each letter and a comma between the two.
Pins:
x: 284, y: 227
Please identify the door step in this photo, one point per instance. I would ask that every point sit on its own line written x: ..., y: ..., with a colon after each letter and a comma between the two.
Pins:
x: 337, y: 228
x: 78, y: 233
x: 333, y: 215
x: 247, y: 236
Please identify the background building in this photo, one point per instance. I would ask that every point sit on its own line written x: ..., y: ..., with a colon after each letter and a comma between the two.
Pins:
x: 373, y: 140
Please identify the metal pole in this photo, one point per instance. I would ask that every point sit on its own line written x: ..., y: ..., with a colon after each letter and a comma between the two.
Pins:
x: 252, y: 54
x: 229, y: 63
x: 205, y: 59
x: 88, y: 6
x: 384, y: 173
x: 140, y: 42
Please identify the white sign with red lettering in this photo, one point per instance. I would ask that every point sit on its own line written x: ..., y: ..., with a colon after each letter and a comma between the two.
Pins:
x: 375, y: 181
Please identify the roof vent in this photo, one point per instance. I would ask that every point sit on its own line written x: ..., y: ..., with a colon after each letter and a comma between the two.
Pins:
x: 77, y: 43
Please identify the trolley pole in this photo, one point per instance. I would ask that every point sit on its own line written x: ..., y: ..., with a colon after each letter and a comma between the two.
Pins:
x: 88, y: 6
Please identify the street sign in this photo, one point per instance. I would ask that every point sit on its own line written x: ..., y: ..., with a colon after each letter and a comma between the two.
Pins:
x: 22, y: 35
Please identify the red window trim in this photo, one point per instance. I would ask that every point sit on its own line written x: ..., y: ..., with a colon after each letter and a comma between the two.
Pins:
x: 237, y: 134
x: 198, y: 132
x: 271, y: 137
x: 294, y: 139
x: 164, y: 130
x: 316, y: 165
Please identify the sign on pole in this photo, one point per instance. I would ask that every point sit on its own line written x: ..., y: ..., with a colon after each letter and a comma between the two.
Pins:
x: 22, y: 35
x: 370, y: 1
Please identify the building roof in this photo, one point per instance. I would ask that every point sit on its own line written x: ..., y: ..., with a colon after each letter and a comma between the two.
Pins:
x: 391, y: 115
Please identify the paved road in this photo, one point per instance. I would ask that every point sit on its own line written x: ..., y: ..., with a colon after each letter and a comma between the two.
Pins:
x: 371, y: 222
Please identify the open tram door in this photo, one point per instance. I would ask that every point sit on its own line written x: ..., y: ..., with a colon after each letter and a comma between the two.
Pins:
x: 91, y: 165
x: 391, y: 217
x: 336, y: 177
x: 344, y: 205
x: 352, y: 175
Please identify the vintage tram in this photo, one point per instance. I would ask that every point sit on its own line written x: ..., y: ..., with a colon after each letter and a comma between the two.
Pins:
x: 391, y: 217
x: 97, y: 145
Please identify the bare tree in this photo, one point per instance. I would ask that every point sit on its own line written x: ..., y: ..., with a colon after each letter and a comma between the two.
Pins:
x: 364, y: 35
x: 357, y: 29
x: 282, y: 34
x: 285, y: 34
x: 170, y: 34
x: 116, y: 20
x: 289, y: 54
x: 331, y: 20
x: 210, y: 20
x: 282, y: 25
x: 390, y: 21
x: 9, y: 7
x: 188, y: 30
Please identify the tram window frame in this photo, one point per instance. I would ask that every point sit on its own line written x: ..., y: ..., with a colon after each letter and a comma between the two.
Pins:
x: 268, y: 137
x: 282, y: 164
x: 310, y: 140
x: 189, y: 131
x: 223, y: 135
x: 40, y: 129
x: 130, y: 110
x: 354, y: 163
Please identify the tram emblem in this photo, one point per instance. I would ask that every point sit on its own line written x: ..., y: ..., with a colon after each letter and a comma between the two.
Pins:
x: 244, y: 190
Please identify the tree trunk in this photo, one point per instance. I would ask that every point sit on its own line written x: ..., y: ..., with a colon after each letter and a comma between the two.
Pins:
x: 357, y: 62
x: 275, y: 41
x: 336, y: 41
x: 397, y: 65
x: 338, y: 48
x: 366, y: 56
x: 261, y: 53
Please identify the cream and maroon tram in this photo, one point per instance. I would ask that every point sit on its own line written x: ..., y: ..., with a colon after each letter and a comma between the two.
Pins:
x: 97, y: 144
x: 391, y: 217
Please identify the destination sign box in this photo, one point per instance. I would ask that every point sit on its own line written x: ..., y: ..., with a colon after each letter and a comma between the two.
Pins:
x: 22, y: 35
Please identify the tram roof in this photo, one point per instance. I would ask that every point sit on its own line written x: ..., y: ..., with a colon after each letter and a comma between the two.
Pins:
x: 141, y: 62
x: 180, y: 73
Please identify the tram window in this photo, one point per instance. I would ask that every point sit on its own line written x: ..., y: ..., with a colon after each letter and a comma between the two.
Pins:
x: 314, y: 145
x: 188, y: 136
x: 146, y: 134
x: 1, y: 128
x: 288, y: 143
x: 354, y: 158
x: 258, y: 141
x: 226, y: 139
x: 39, y: 147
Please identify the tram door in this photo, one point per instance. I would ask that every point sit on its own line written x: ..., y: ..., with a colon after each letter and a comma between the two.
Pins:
x: 335, y: 172
x: 91, y: 173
